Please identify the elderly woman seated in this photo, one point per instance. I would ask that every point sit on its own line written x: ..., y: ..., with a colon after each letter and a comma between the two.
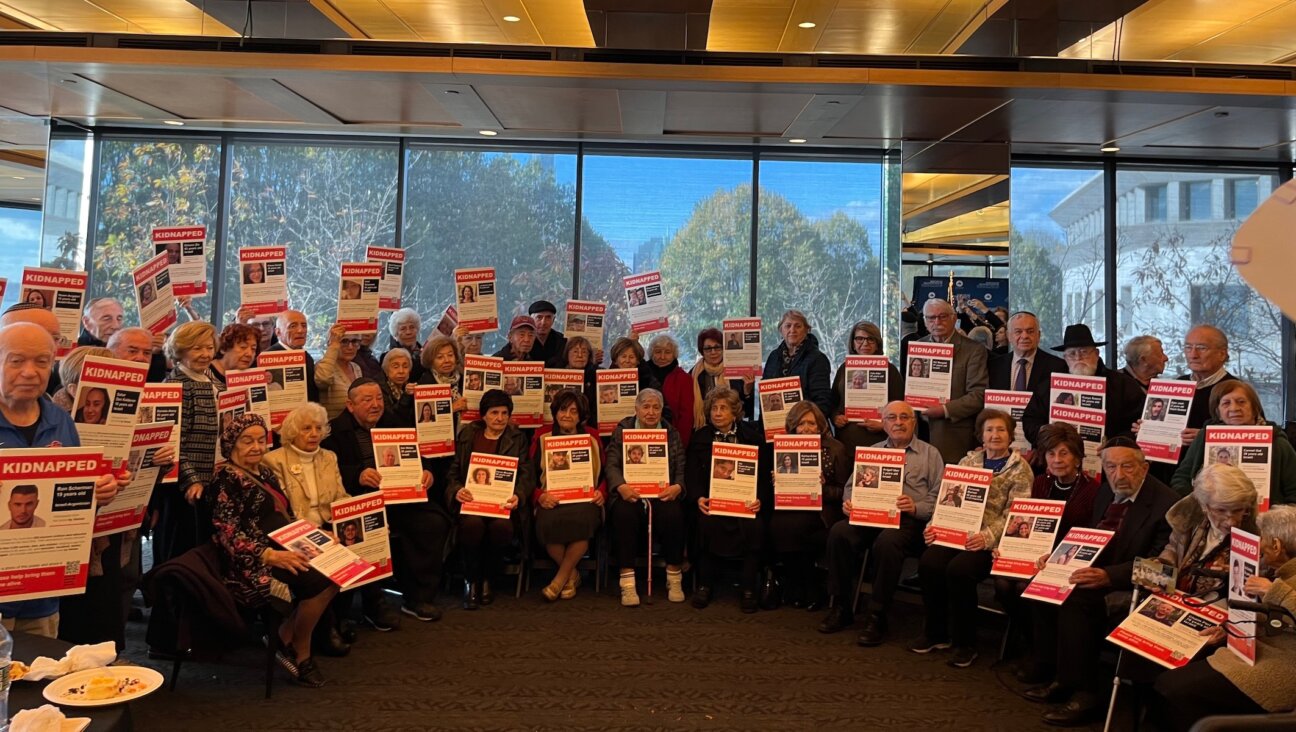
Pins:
x: 249, y: 505
x: 1223, y: 498
x: 1224, y: 683
x: 404, y: 327
x: 398, y: 391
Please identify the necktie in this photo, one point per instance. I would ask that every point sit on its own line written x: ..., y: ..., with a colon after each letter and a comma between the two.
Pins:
x: 1019, y: 383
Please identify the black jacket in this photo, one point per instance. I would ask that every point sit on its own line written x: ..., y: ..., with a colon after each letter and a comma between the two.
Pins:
x: 697, y: 468
x: 811, y: 365
x: 1143, y: 532
x: 614, y: 469
x: 312, y: 389
x: 1199, y: 413
x: 158, y: 368
x: 1124, y: 404
x: 513, y: 443
x: 1000, y: 369
x: 416, y: 361
x: 344, y: 441
x: 192, y: 607
x: 551, y: 351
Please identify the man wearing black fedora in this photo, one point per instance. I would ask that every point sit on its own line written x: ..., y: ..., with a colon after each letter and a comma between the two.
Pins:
x: 1080, y: 351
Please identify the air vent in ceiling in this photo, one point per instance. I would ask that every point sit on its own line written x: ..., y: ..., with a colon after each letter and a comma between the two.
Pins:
x: 156, y: 43
x: 511, y: 54
x: 1279, y: 73
x: 1142, y: 69
x: 390, y: 49
x: 27, y: 38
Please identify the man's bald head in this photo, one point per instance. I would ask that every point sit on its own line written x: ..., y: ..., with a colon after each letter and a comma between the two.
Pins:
x: 291, y: 328
x: 26, y: 359
x: 37, y: 316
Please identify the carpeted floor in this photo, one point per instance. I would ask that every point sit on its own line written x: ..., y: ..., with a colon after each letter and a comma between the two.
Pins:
x: 588, y: 664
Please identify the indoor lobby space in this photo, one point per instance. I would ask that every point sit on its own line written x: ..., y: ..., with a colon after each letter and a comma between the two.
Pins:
x: 648, y: 364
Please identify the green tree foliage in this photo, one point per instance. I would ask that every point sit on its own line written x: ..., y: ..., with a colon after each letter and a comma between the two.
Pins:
x: 1037, y: 280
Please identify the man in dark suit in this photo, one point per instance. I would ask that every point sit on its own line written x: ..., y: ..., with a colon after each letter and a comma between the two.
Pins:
x: 1025, y: 366
x: 1124, y: 398
x: 1069, y: 638
x: 290, y: 332
x: 950, y: 425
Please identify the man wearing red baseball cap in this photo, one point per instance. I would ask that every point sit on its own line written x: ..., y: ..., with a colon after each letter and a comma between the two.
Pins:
x: 521, y: 339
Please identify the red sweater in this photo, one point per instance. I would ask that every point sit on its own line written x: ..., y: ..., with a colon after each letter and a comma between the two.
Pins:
x: 678, y: 391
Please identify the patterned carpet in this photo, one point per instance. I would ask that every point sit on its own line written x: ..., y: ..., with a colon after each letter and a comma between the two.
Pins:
x: 589, y: 664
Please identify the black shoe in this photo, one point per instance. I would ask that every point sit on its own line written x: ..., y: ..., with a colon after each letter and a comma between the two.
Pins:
x: 1084, y: 707
x: 701, y: 597
x: 425, y: 611
x: 1051, y: 693
x: 472, y: 595
x: 875, y: 626
x: 963, y: 657
x: 838, y: 619
x: 330, y: 643
x: 308, y: 674
x: 769, y: 596
x: 347, y: 629
x: 748, y: 604
x: 285, y: 655
x: 487, y: 597
x: 381, y: 618
x: 923, y: 644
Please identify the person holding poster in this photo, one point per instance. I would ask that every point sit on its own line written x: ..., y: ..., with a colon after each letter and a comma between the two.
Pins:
x: 950, y: 576
x: 291, y: 329
x: 398, y: 389
x: 483, y: 540
x: 570, y: 492
x: 185, y: 515
x: 1122, y: 396
x: 421, y: 529
x: 248, y: 506
x: 337, y: 369
x: 549, y: 343
x: 263, y: 284
x: 949, y: 411
x: 799, y: 355
x: 798, y: 536
x: 1223, y: 498
x: 627, y: 515
x: 923, y: 468
x: 154, y: 295
x: 236, y: 350
x: 1224, y: 683
x: 183, y: 246
x: 711, y: 461
x: 860, y: 388
x: 709, y: 374
x: 478, y: 307
x: 59, y: 292
x: 1235, y: 404
x: 403, y: 328
x: 646, y: 302
x: 1068, y: 638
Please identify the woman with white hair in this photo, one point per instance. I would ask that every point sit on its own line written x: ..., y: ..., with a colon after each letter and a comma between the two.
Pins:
x: 799, y: 355
x: 676, y: 384
x: 1224, y: 684
x: 398, y: 388
x: 1223, y: 499
x: 626, y: 513
x: 404, y: 327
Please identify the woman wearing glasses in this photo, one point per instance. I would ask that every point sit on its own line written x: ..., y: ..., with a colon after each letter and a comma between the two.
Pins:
x: 337, y: 369
x: 708, y: 375
x: 865, y: 339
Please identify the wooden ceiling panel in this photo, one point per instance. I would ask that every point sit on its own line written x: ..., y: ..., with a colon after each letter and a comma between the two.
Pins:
x: 171, y: 17
x: 540, y: 22
x: 358, y: 100
x: 1079, y: 122
x: 193, y: 96
x: 553, y: 108
x: 845, y: 26
x: 1238, y: 31
x: 29, y: 133
x: 732, y: 113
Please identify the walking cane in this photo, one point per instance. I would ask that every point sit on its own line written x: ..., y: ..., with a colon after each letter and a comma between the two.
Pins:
x: 648, y: 503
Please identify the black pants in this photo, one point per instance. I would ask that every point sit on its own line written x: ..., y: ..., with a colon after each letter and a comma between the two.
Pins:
x: 1070, y: 637
x: 482, y: 542
x: 96, y: 615
x: 726, y: 537
x: 889, y: 548
x: 1188, y: 694
x: 629, y: 522
x: 949, y: 586
x: 419, y: 535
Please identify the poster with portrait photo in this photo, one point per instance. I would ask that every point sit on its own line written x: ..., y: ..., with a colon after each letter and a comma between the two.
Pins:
x: 360, y: 524
x: 476, y: 299
x: 263, y: 280
x: 154, y: 296
x: 585, y: 318
x: 286, y: 385
x: 47, y: 516
x: 434, y: 420
x: 524, y: 382
x: 866, y: 387
x: 1029, y: 532
x: 106, y: 404
x: 556, y: 380
x: 1244, y: 563
x: 257, y: 383
x: 481, y: 374
x: 733, y: 479
x: 130, y: 506
x: 230, y: 405
x: 1247, y: 448
x: 876, y: 483
x: 743, y: 355
x: 617, y: 391
x: 61, y: 292
x: 776, y: 398
x: 1077, y: 550
x: 358, y: 297
x: 646, y: 302
x: 184, y: 247
x: 491, y: 480
x: 1167, y: 629
x: 928, y: 370
x: 960, y: 505
x: 569, y: 474
x: 393, y: 275
x: 1165, y: 416
x: 341, y: 565
x: 645, y: 461
x: 396, y: 455
x: 798, y: 472
x: 164, y: 403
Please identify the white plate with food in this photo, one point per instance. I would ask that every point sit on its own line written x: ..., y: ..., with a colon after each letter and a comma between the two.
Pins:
x: 98, y: 687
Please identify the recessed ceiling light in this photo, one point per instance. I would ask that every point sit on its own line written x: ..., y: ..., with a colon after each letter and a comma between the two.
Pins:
x: 488, y: 133
x: 797, y: 140
x: 17, y: 177
x: 1109, y: 148
x: 511, y: 19
x: 67, y: 81
x: 806, y: 24
x: 173, y: 122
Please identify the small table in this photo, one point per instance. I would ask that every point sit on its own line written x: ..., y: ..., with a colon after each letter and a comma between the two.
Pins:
x: 27, y: 694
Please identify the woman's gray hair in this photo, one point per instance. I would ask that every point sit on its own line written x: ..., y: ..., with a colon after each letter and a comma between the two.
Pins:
x: 1224, y: 486
x: 663, y: 340
x: 1279, y: 522
x: 982, y: 335
x: 646, y: 394
x: 404, y: 315
x: 299, y: 417
x: 795, y: 315
x: 396, y: 352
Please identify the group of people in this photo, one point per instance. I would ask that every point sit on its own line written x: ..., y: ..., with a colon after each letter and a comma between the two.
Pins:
x: 324, y: 452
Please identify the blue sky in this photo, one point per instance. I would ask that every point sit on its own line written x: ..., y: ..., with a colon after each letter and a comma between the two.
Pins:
x: 19, y: 247
x: 1036, y: 191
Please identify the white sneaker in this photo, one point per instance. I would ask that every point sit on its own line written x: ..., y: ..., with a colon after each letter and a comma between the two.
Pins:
x: 629, y: 596
x: 674, y: 586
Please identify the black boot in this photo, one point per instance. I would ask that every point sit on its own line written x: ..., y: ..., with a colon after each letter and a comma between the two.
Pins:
x: 487, y: 597
x: 769, y: 594
x: 472, y: 595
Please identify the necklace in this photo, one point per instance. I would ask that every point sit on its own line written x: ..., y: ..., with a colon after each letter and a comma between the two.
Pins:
x: 1065, y: 487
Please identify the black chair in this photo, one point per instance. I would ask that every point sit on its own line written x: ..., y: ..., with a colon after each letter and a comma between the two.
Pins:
x: 595, y: 560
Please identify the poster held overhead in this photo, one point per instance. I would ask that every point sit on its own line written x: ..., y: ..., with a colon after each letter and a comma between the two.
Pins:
x: 478, y: 308
x: 154, y: 295
x: 646, y: 302
x: 586, y: 318
x: 393, y: 275
x: 60, y: 292
x: 358, y: 297
x: 742, y: 347
x: 263, y: 280
x: 185, y: 249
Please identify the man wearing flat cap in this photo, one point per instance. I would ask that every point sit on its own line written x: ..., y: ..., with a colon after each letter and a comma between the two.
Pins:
x: 549, y: 342
x: 1080, y: 351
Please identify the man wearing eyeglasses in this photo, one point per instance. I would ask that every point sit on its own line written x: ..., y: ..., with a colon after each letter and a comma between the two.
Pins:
x: 1124, y: 397
x: 950, y: 425
x: 1025, y: 366
x: 1205, y: 348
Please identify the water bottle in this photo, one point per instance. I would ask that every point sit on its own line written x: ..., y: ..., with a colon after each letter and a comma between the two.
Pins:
x: 6, y: 654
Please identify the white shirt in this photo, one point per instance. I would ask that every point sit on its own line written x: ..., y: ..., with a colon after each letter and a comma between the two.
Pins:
x: 1209, y: 381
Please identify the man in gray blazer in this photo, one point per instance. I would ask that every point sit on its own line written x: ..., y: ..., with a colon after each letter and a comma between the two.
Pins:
x: 950, y: 425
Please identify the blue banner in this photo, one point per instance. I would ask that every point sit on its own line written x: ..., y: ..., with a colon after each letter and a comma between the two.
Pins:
x: 989, y: 290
